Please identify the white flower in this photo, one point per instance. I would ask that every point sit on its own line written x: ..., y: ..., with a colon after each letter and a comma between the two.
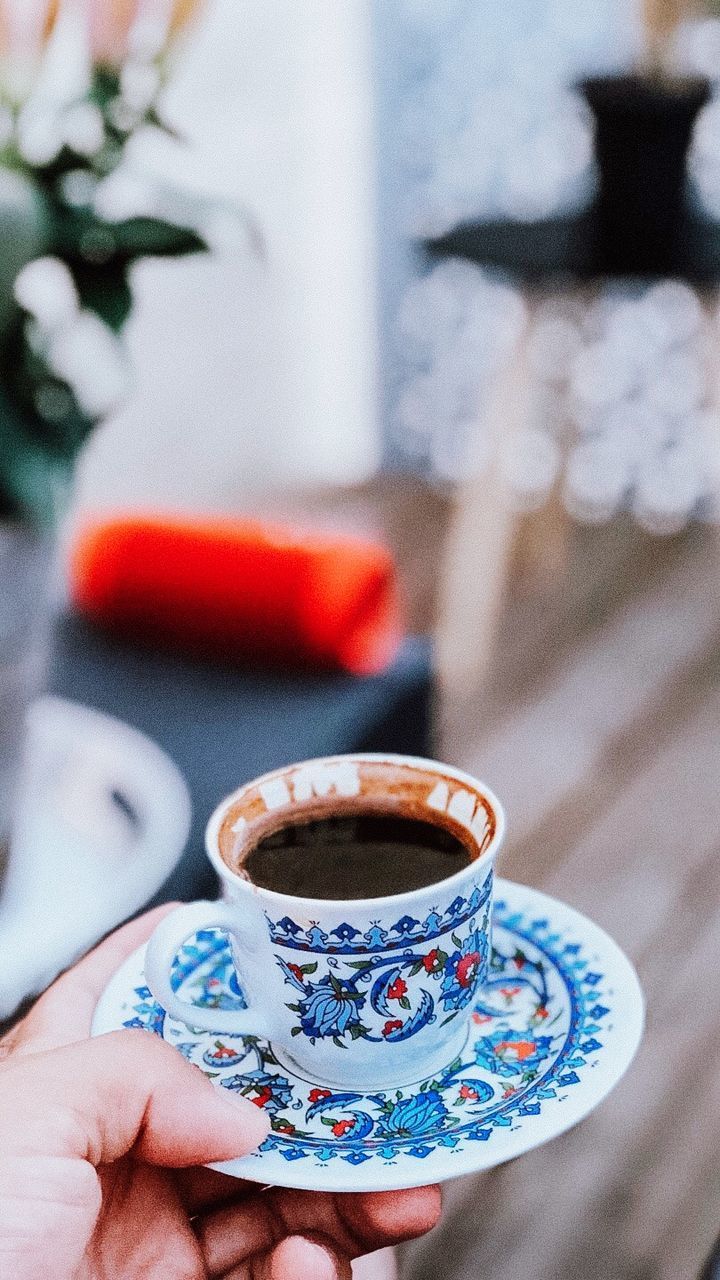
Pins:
x: 87, y: 355
x: 25, y: 28
x: 40, y: 133
x: 83, y: 129
x: 124, y: 194
x: 46, y: 290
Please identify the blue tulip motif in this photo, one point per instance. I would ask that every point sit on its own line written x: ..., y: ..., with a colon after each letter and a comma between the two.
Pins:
x: 410, y: 1117
x: 330, y: 1009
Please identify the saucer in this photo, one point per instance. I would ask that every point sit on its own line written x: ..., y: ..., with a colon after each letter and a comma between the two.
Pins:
x: 556, y: 1026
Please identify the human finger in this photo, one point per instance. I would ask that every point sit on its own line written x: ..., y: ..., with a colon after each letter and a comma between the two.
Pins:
x: 295, y: 1258
x: 99, y: 1099
x: 202, y: 1189
x: 355, y: 1224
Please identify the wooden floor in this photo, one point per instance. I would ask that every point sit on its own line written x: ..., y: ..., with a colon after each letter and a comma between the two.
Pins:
x: 600, y: 730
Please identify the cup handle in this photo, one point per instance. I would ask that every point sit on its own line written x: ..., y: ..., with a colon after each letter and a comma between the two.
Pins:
x: 160, y: 955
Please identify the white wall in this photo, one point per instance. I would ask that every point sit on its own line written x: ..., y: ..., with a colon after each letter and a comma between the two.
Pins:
x: 252, y: 371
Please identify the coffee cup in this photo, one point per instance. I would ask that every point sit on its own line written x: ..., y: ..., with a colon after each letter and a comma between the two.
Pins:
x: 356, y: 896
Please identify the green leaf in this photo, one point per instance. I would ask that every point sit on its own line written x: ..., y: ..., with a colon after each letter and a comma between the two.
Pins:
x: 80, y: 236
x: 326, y: 1120
x: 456, y: 940
x: 404, y: 1002
x: 296, y: 1031
x: 25, y: 229
x: 105, y: 290
x: 34, y: 478
x: 339, y: 1043
x: 359, y: 964
x: 357, y: 1030
x: 105, y: 86
x: 153, y: 237
x: 309, y: 968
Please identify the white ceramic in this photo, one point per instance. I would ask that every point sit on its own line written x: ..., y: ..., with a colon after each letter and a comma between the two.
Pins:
x: 552, y: 1031
x: 102, y: 817
x: 359, y: 994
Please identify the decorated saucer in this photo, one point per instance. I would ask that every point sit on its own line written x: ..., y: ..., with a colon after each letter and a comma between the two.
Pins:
x: 556, y: 1027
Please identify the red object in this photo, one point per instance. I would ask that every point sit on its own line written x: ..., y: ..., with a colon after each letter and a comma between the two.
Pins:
x: 241, y: 589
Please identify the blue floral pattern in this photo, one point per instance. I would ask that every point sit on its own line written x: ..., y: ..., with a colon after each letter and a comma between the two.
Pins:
x: 389, y: 995
x: 330, y: 1008
x: 414, y: 1116
x: 537, y: 1028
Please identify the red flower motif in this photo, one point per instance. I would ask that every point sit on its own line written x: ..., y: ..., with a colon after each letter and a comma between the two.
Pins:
x: 519, y: 962
x: 467, y: 1092
x: 479, y: 1018
x: 222, y: 1051
x: 519, y: 1049
x: 432, y: 961
x: 393, y: 1025
x: 509, y: 992
x: 467, y: 968
x: 542, y: 1012
x: 284, y: 1126
x: 397, y: 989
x: 262, y: 1097
x: 297, y: 972
x: 509, y: 1092
x: 315, y: 1095
x: 342, y: 1127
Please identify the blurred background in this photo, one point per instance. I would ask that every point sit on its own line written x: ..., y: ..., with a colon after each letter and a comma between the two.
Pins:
x: 434, y: 286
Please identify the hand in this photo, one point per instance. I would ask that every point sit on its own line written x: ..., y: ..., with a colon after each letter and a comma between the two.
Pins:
x: 101, y: 1147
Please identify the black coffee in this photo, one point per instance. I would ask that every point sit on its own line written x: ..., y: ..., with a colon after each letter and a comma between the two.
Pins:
x: 359, y: 856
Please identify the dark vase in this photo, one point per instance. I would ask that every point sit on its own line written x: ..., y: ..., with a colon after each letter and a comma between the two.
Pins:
x: 643, y: 131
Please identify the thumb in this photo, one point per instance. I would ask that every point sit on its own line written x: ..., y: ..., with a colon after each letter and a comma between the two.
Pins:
x: 126, y: 1091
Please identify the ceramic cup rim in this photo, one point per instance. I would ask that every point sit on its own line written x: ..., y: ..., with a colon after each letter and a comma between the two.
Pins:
x: 444, y: 771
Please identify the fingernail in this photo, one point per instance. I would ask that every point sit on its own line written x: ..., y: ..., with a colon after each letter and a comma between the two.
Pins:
x: 254, y: 1122
x: 309, y: 1258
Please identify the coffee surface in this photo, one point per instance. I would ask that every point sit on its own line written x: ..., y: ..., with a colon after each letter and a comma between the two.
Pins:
x: 358, y: 856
